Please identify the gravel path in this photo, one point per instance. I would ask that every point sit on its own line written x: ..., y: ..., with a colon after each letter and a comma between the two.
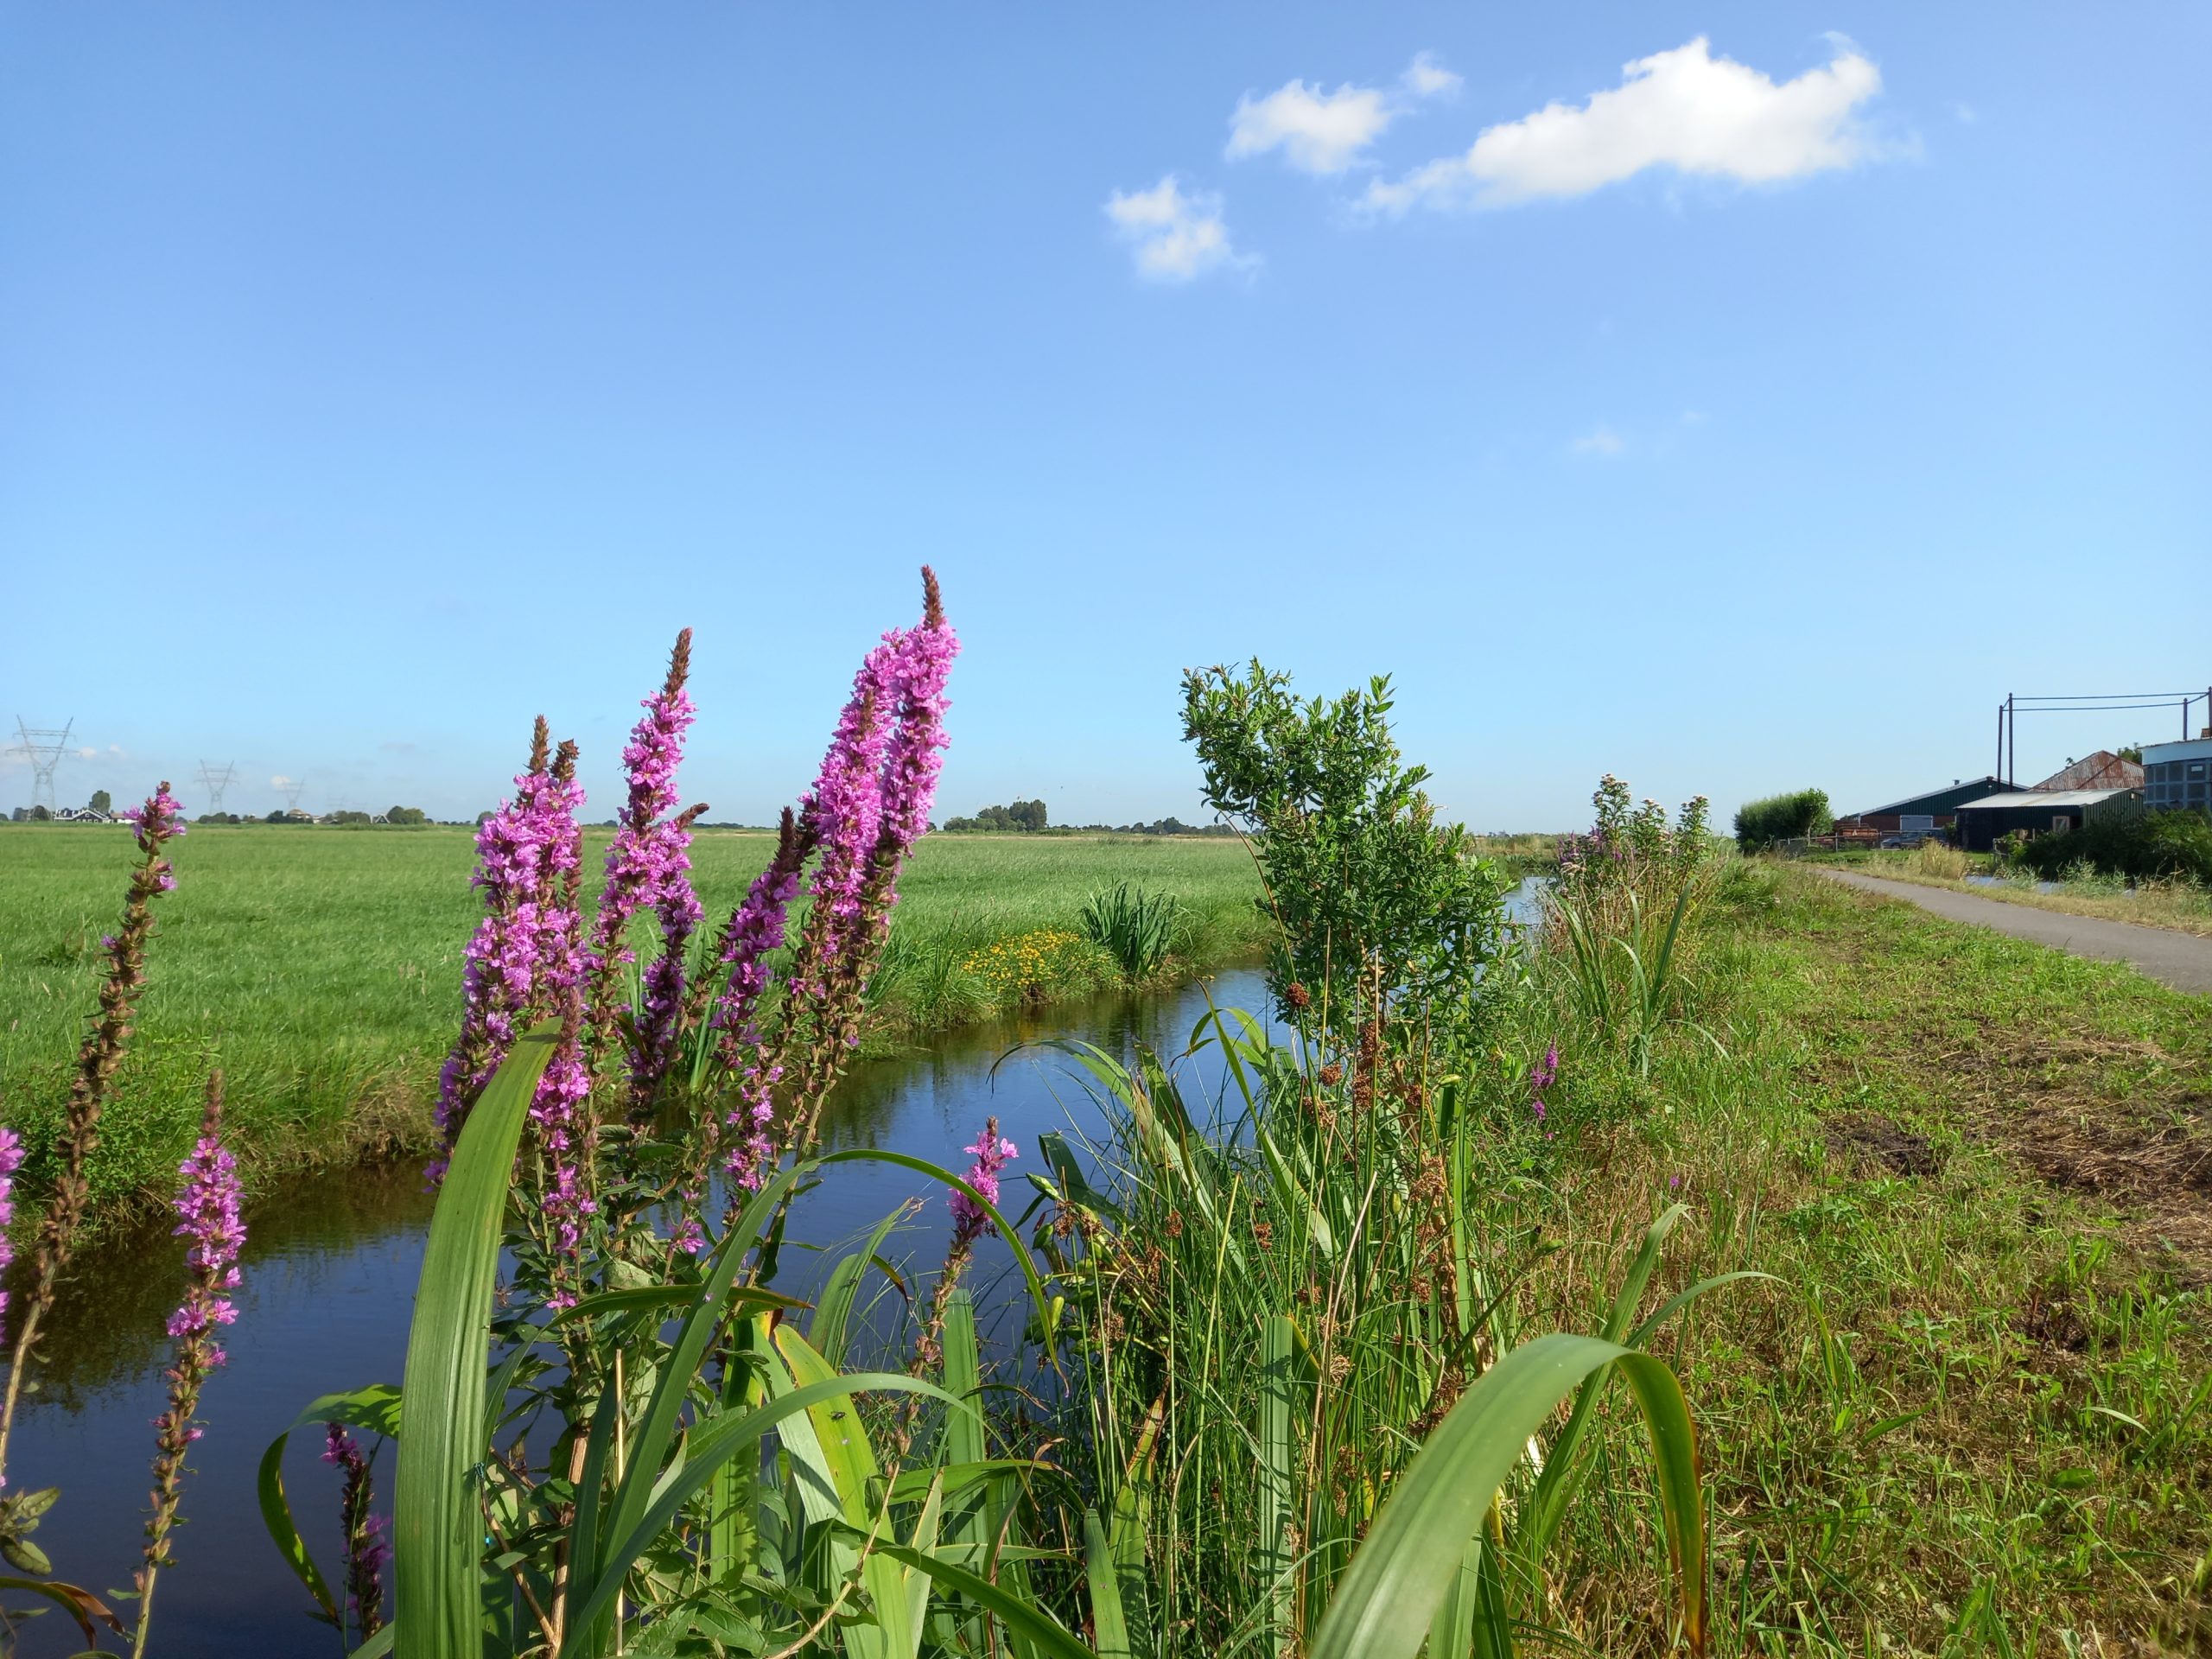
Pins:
x: 2181, y: 960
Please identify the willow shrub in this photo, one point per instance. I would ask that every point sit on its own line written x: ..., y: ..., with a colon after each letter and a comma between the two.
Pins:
x: 1369, y: 895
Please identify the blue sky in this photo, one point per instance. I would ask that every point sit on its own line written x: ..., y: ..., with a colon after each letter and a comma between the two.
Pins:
x: 1753, y: 416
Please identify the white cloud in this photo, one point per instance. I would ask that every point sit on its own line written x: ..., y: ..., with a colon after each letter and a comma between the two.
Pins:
x: 1174, y: 235
x: 1326, y: 132
x: 88, y: 754
x: 1317, y: 132
x: 280, y: 781
x: 1684, y: 109
x: 1425, y: 78
x: 1600, y: 441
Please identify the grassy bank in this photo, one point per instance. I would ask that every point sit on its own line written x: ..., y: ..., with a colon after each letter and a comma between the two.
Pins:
x: 321, y: 969
x: 1969, y: 1415
x: 2181, y: 905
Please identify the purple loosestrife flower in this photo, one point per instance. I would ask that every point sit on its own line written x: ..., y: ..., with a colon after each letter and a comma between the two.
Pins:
x: 660, y: 1019
x: 559, y: 1111
x: 755, y: 929
x: 367, y: 1549
x: 846, y: 803
x: 970, y: 1221
x: 208, y: 1214
x: 914, y: 755
x: 1541, y: 1076
x: 11, y: 1159
x: 527, y: 855
x: 97, y: 1056
x: 158, y: 820
x: 649, y: 854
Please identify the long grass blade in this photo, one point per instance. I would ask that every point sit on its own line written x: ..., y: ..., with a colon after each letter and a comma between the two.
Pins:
x: 437, y: 1531
x: 1387, y: 1600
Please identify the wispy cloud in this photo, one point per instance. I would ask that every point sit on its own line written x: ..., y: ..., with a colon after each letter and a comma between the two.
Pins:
x: 1426, y: 76
x: 1599, y: 440
x: 1174, y: 235
x: 1684, y: 109
x: 1323, y: 132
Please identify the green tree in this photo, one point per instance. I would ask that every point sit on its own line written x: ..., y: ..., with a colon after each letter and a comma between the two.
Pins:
x: 101, y: 801
x: 1762, y: 822
x: 405, y: 815
x: 1366, y: 886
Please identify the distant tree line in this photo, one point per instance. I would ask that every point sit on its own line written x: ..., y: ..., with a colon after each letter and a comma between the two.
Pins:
x: 1025, y: 818
x: 1028, y: 818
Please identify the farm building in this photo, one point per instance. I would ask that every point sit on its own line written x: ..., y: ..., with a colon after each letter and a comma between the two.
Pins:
x: 2038, y: 811
x: 1919, y: 815
x: 2103, y: 770
x: 2178, y: 774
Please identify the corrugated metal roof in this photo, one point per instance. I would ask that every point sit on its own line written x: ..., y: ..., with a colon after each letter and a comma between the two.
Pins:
x: 1927, y: 795
x: 2045, y: 798
x: 2103, y: 770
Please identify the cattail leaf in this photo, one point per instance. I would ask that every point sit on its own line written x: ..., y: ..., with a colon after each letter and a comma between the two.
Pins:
x: 437, y: 1531
x: 1388, y: 1599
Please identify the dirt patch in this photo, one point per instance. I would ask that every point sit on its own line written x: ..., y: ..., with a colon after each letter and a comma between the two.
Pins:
x: 2052, y: 1322
x: 1871, y: 1142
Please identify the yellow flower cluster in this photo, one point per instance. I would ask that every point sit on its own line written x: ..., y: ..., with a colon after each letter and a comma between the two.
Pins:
x: 1025, y: 962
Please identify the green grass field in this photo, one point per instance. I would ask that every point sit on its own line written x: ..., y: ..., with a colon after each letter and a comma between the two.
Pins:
x: 320, y: 969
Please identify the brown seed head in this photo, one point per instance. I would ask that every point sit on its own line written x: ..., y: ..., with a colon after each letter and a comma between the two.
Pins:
x: 679, y: 664
x: 932, y: 601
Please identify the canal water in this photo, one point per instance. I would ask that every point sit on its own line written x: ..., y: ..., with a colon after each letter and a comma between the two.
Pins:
x: 329, y: 1277
x: 328, y: 1282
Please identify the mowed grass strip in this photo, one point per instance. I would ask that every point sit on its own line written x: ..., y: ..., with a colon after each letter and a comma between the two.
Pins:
x: 1975, y: 1414
x: 320, y: 967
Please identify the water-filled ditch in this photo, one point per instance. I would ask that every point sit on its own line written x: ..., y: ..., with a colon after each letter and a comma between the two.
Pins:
x: 329, y: 1277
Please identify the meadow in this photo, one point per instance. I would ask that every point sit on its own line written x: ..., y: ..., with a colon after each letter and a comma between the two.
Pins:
x: 320, y: 967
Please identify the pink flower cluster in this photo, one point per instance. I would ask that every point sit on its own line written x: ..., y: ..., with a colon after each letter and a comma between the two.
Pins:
x: 11, y: 1159
x: 208, y: 1214
x: 157, y: 821
x: 367, y: 1549
x: 869, y: 804
x: 558, y: 1111
x: 992, y: 1153
x: 648, y: 864
x: 1541, y: 1076
x: 523, y: 953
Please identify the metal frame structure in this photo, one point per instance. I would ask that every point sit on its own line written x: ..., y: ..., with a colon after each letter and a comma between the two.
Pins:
x: 216, y: 782
x: 46, y: 747
x: 2099, y: 702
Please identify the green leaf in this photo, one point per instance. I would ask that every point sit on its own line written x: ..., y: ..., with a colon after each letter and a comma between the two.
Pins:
x: 1110, y: 1627
x: 375, y: 1408
x: 710, y: 1445
x: 1388, y: 1595
x: 437, y: 1531
x: 1024, y: 1619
